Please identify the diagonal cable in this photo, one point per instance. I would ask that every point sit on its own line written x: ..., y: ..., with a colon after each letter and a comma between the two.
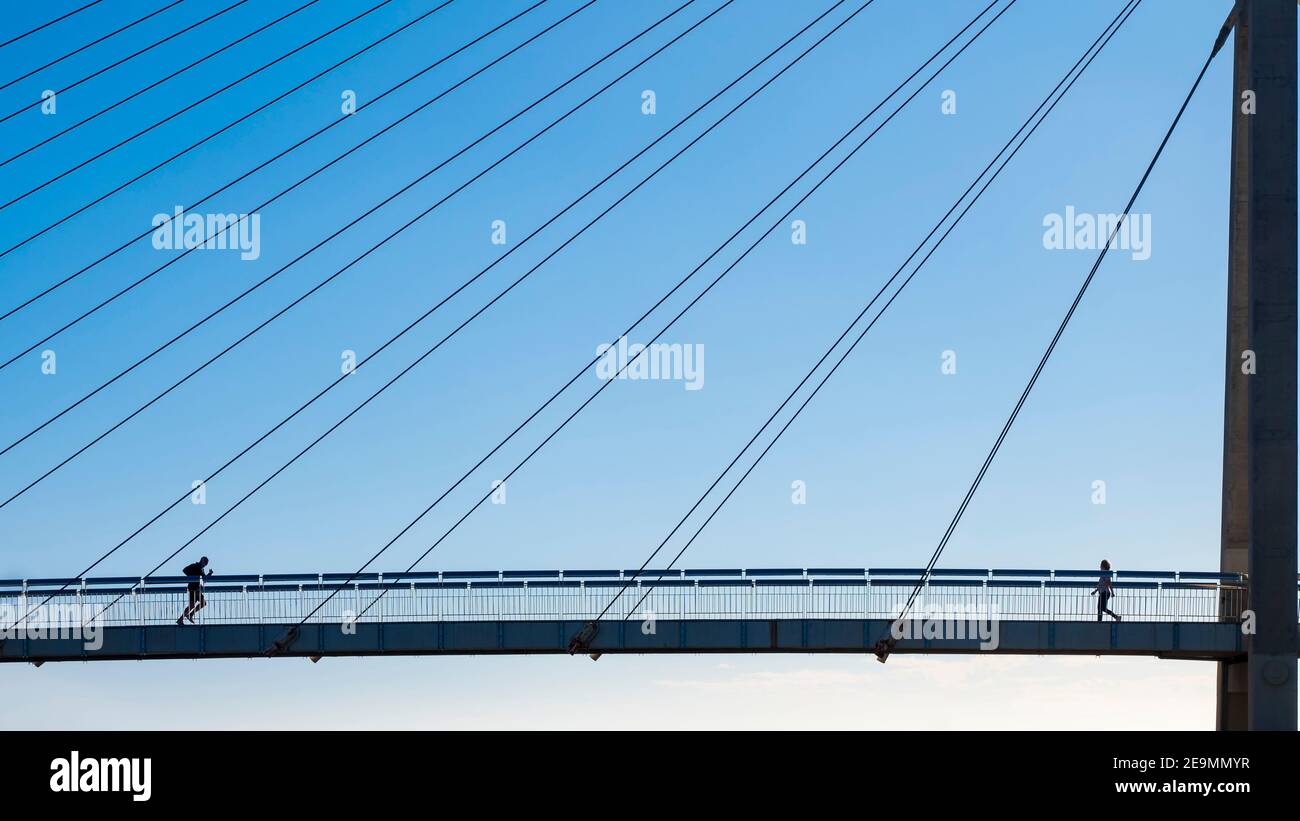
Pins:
x: 591, y: 398
x: 1065, y: 321
x: 204, y: 99
x: 240, y: 178
x: 1026, y: 129
x: 43, y: 26
x: 94, y: 42
x: 554, y: 252
x: 158, y: 82
x: 484, y: 271
x: 289, y: 264
x: 130, y: 56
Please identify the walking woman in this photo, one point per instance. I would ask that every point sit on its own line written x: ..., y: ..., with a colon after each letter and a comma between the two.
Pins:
x: 1103, y: 591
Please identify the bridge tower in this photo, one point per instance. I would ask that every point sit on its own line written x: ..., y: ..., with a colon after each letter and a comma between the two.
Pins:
x: 1258, y: 534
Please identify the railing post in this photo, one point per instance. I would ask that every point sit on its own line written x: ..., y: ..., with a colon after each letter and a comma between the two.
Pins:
x: 142, y: 606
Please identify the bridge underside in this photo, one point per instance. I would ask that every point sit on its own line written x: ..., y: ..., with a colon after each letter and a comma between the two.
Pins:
x: 1162, y: 639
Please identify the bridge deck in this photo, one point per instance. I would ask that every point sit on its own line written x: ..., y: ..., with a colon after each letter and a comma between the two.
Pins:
x: 693, y: 611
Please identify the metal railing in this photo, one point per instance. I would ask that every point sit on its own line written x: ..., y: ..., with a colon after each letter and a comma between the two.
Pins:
x: 834, y: 593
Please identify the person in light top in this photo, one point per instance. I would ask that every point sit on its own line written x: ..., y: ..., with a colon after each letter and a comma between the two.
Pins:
x: 1103, y: 591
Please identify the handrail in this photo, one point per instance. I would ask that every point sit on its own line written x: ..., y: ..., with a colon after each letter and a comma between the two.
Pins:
x: 882, y: 574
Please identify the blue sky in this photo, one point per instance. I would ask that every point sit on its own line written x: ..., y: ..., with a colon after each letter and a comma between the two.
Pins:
x: 1132, y: 397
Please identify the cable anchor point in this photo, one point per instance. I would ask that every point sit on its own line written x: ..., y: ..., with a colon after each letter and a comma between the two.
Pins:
x: 581, y: 641
x: 282, y: 644
x: 883, y: 648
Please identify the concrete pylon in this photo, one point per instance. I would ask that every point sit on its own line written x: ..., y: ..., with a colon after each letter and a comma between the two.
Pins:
x: 1258, y: 534
x: 1234, y: 541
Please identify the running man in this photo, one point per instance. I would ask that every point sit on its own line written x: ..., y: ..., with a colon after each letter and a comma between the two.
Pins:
x: 1103, y: 591
x: 197, y: 601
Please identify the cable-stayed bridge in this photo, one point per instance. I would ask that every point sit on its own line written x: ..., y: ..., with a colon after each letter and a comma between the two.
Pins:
x: 1244, y: 615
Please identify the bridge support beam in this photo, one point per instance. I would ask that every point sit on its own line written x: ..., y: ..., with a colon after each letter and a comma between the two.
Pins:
x: 1179, y: 640
x: 1259, y: 460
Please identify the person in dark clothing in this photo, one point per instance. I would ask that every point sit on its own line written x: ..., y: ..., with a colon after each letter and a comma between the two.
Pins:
x: 197, y: 601
x: 1103, y: 591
